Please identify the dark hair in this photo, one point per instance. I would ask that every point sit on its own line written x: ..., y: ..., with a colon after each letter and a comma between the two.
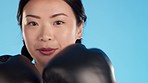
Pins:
x: 76, y: 6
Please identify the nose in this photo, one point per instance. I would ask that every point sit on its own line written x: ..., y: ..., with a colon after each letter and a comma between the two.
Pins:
x: 45, y: 38
x: 46, y: 34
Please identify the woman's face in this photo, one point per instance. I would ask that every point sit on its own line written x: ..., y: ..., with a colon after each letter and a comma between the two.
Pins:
x: 48, y: 26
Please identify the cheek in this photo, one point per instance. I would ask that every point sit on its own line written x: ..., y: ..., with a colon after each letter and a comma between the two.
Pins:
x: 29, y: 37
x: 66, y: 36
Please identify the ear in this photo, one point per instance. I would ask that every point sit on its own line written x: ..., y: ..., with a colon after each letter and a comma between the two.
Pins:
x: 79, y: 31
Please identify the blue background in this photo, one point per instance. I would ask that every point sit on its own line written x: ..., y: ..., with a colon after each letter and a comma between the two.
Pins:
x: 118, y: 27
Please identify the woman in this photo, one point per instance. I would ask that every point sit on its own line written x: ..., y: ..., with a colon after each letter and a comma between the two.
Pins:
x: 50, y: 30
x: 48, y: 26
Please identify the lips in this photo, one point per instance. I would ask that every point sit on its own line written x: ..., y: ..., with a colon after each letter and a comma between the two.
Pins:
x: 47, y: 51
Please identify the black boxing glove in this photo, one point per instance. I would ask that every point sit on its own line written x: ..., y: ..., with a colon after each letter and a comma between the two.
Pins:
x: 77, y: 64
x: 18, y: 69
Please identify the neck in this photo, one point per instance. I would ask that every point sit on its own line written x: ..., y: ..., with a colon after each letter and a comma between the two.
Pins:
x: 39, y: 67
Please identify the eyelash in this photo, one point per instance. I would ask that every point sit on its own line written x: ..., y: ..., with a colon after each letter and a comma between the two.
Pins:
x: 32, y: 23
x: 58, y: 22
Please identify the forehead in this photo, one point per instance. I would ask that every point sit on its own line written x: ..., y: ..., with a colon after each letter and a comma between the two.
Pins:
x: 47, y: 6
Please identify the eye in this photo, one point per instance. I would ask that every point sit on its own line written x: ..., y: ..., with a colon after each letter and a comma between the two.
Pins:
x: 58, y: 23
x: 32, y: 24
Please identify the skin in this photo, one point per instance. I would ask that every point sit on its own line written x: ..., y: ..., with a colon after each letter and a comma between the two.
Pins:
x: 48, y: 24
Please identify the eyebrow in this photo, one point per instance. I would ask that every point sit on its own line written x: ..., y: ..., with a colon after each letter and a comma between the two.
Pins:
x: 34, y: 16
x: 53, y: 16
x: 59, y: 14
